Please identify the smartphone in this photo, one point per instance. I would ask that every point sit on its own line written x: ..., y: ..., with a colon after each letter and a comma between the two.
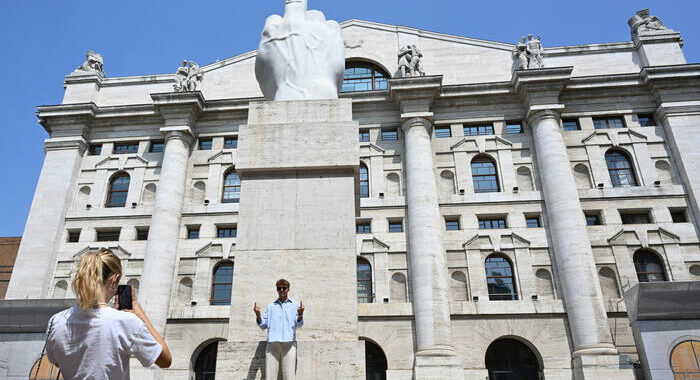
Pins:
x: 124, y: 293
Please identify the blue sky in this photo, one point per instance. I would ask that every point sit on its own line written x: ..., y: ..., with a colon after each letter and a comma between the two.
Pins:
x: 42, y: 41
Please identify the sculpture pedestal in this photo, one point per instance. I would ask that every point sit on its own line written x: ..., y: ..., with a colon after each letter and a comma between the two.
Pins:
x: 298, y: 162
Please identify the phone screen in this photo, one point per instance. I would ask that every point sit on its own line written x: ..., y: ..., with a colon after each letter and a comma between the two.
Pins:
x: 124, y: 292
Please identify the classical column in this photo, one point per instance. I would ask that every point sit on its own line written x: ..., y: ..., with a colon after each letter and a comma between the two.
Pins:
x: 55, y: 191
x: 179, y: 111
x: 572, y: 248
x: 426, y: 253
x: 435, y: 355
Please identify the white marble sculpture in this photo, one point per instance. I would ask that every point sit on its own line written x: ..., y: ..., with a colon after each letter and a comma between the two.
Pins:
x: 410, y: 62
x: 93, y: 63
x: 187, y: 77
x: 643, y: 23
x: 301, y: 55
x: 529, y: 53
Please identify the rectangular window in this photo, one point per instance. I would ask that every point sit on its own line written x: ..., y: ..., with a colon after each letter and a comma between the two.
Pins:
x: 205, y: 144
x: 679, y: 215
x: 108, y: 235
x: 157, y: 147
x: 193, y: 232
x: 231, y: 142
x: 390, y: 134
x: 514, y: 128
x: 593, y: 219
x: 364, y: 227
x: 364, y: 135
x: 478, y: 130
x: 635, y: 217
x: 74, y: 236
x: 226, y: 232
x: 142, y: 233
x: 570, y: 124
x: 608, y: 122
x: 95, y: 150
x: 442, y: 132
x: 646, y: 120
x: 492, y: 223
x: 126, y: 148
x: 532, y: 221
x: 451, y: 224
x: 396, y: 226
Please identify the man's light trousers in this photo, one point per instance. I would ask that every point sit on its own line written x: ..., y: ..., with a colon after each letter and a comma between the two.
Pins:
x: 280, y: 354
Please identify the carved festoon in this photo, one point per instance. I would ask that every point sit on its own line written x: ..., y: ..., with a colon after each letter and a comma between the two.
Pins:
x: 188, y: 77
x: 529, y: 53
x: 93, y: 63
x: 410, y: 62
x: 643, y: 23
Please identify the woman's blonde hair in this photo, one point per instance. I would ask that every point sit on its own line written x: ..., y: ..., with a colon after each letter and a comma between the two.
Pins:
x: 93, y: 272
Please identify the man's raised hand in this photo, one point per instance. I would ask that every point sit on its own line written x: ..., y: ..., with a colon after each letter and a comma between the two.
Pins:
x: 300, y: 309
x: 256, y: 309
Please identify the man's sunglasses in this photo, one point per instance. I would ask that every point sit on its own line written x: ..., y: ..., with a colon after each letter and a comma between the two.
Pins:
x: 281, y: 288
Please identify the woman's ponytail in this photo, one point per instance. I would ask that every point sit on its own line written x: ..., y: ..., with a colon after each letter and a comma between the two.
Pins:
x: 92, y: 273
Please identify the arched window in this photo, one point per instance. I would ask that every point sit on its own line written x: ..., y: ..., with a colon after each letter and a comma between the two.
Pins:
x: 364, y: 281
x: 363, y: 76
x: 364, y: 181
x: 620, y: 169
x: 375, y: 361
x: 685, y: 360
x: 221, y: 283
x: 118, y: 190
x: 44, y: 370
x: 649, y: 266
x: 205, y: 365
x: 500, y: 279
x: 484, y: 175
x: 511, y: 359
x: 232, y: 187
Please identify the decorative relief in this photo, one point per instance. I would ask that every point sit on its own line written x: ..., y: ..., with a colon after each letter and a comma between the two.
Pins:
x: 410, y: 62
x: 529, y: 53
x: 187, y: 77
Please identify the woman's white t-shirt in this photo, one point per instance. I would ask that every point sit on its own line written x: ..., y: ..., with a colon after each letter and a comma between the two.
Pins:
x: 96, y: 344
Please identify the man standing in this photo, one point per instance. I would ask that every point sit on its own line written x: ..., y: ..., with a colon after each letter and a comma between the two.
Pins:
x: 281, y: 319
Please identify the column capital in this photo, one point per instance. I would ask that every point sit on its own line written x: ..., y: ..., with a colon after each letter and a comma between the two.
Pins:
x: 544, y: 111
x: 674, y: 87
x: 539, y: 87
x: 417, y: 121
x: 415, y: 95
x: 183, y: 133
x: 179, y: 108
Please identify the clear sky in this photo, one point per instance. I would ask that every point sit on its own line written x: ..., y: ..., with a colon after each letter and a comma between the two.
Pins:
x: 42, y: 41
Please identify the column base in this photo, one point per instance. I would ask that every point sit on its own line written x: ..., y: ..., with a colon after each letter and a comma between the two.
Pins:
x: 437, y: 363
x: 596, y: 367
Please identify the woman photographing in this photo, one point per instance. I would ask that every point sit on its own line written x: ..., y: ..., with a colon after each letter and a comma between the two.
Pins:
x: 95, y: 341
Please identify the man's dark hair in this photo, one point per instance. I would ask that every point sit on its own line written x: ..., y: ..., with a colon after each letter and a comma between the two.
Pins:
x: 282, y: 282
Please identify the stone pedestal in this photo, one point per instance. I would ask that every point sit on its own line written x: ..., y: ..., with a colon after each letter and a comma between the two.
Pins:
x: 298, y: 163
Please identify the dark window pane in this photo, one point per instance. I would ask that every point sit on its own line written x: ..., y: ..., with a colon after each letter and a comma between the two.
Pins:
x: 364, y: 228
x: 362, y: 76
x: 592, y: 220
x: 499, y: 279
x: 205, y: 144
x: 193, y: 233
x: 635, y: 218
x: 232, y: 188
x: 679, y: 216
x: 452, y: 225
x: 395, y: 227
x: 222, y: 284
x: 142, y: 234
x: 126, y: 148
x: 478, y: 130
x: 646, y: 120
x: 532, y: 222
x: 364, y: 182
x: 110, y: 235
x: 364, y: 282
x: 228, y: 232
x: 73, y: 236
x: 514, y: 128
x: 495, y: 223
x: 570, y: 125
x: 157, y: 146
x: 230, y: 142
x: 364, y: 135
x: 484, y: 175
x: 607, y: 123
x: 649, y: 267
x: 442, y: 132
x: 390, y: 135
x: 620, y: 169
x: 118, y: 191
x: 95, y: 150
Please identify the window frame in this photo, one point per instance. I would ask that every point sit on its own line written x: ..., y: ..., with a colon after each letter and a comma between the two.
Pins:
x: 478, y: 178
x: 495, y: 296
x: 139, y: 233
x: 570, y: 121
x: 95, y: 150
x: 229, y: 232
x: 369, y: 298
x: 627, y: 215
x: 111, y: 191
x: 643, y: 276
x: 388, y: 132
x: 650, y: 117
x: 360, y: 227
x: 363, y: 135
x: 73, y: 236
x: 491, y: 220
x: 214, y: 283
x: 512, y: 123
x: 598, y: 122
x: 117, y: 148
x: 229, y: 142
x: 617, y: 173
x: 113, y: 234
x: 395, y: 222
x: 451, y: 222
x: 536, y: 217
x: 152, y: 146
x: 442, y: 132
x: 364, y: 182
x: 233, y: 186
x: 205, y: 143
x: 488, y: 129
x: 377, y: 76
x: 192, y: 229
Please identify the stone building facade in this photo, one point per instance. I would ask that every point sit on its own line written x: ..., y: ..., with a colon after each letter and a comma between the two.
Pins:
x: 502, y: 209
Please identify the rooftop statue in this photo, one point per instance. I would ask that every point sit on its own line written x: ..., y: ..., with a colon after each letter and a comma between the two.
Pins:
x: 93, y: 63
x: 643, y: 23
x: 529, y: 53
x: 410, y: 62
x: 520, y: 54
x: 301, y: 55
x: 187, y: 77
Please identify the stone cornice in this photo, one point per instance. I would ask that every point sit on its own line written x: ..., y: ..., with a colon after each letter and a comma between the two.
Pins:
x: 415, y: 95
x: 66, y: 119
x: 179, y: 108
x: 66, y: 143
x: 541, y: 86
